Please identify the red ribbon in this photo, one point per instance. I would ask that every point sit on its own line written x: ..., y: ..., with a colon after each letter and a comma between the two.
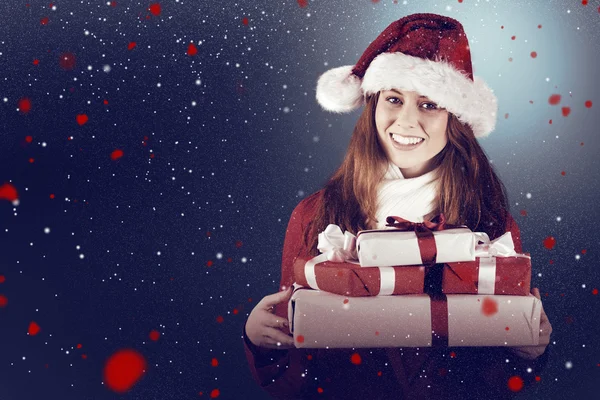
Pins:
x: 439, y: 320
x: 424, y: 231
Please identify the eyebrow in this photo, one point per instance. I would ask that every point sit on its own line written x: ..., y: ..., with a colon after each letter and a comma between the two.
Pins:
x: 394, y: 90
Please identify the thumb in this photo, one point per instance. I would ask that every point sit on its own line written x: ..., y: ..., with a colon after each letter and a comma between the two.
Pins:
x: 536, y: 293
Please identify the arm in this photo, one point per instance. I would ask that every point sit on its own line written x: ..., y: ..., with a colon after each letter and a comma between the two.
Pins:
x: 520, y: 358
x: 280, y: 372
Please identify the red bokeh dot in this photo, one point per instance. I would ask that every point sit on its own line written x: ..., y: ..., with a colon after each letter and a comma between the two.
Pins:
x: 79, y: 345
x: 245, y: 20
x: 583, y: 251
x: 116, y: 154
x: 563, y: 173
x: 123, y: 369
x: 489, y: 307
x: 155, y: 9
x: 513, y: 38
x: 524, y: 213
x: 594, y: 291
x: 215, y: 393
x: 214, y: 362
x: 533, y: 54
x: 355, y: 359
x: 154, y: 335
x: 537, y: 378
x: 588, y: 104
x: 566, y: 111
x: 24, y: 105
x: 309, y: 357
x: 346, y: 301
x: 3, y: 300
x: 554, y: 99
x: 220, y: 319
x: 51, y: 195
x: 320, y: 390
x: 549, y: 242
x: 515, y: 383
x: 507, y: 328
x: 29, y: 139
x: 302, y: 3
x: 67, y: 61
x: 33, y: 329
x: 584, y: 2
x: 2, y: 279
x: 209, y: 263
x: 300, y: 339
x: 452, y: 354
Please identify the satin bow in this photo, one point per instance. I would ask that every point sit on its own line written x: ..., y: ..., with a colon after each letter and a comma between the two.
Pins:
x: 337, y: 246
x: 502, y: 246
x: 405, y: 225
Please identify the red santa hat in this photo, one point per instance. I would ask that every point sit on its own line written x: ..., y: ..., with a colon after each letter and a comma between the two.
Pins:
x: 425, y: 53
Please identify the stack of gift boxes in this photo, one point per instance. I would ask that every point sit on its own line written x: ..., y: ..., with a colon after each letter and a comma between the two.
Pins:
x: 413, y: 285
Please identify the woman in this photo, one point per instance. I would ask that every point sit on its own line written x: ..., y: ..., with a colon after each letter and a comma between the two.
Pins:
x: 414, y: 154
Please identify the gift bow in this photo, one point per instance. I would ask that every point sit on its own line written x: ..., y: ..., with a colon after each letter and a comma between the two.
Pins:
x: 337, y: 246
x: 406, y: 225
x: 502, y: 246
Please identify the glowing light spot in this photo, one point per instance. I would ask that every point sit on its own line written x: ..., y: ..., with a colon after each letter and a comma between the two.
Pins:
x: 123, y: 369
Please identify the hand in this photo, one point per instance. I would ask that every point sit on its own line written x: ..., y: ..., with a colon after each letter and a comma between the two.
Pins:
x: 263, y: 328
x: 533, y: 352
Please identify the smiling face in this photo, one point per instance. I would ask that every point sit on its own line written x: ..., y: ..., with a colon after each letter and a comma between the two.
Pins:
x: 411, y: 130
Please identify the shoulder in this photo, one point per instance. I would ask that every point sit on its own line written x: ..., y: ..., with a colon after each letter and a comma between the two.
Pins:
x: 307, y: 207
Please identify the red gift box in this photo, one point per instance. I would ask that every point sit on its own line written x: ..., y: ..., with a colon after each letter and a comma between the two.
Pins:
x: 489, y: 275
x: 352, y: 280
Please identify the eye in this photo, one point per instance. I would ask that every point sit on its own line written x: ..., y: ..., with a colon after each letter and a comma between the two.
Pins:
x: 434, y: 106
x: 430, y: 106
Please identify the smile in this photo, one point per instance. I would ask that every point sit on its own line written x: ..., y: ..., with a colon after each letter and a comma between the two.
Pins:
x: 405, y: 143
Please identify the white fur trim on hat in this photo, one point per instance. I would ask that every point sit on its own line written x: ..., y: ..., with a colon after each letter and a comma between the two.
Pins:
x: 473, y: 103
x: 338, y: 90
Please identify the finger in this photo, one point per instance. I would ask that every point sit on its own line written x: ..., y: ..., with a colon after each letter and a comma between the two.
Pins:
x: 275, y: 321
x: 275, y: 336
x: 276, y: 298
x: 536, y: 293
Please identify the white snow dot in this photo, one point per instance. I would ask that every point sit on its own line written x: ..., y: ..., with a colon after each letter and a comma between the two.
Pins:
x: 286, y: 109
x: 158, y: 253
x: 528, y: 195
x: 219, y: 256
x: 244, y: 259
x: 577, y: 256
x: 558, y: 219
x: 568, y: 365
x: 81, y: 256
x: 46, y: 230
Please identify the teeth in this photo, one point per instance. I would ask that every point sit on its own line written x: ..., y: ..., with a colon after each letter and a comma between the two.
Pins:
x: 405, y: 140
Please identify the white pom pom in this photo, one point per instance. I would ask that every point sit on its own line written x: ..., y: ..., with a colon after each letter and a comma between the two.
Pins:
x: 338, y: 90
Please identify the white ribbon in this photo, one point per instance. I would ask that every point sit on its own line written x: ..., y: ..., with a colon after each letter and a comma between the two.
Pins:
x: 335, y: 246
x: 502, y: 246
x: 387, y: 281
x: 338, y: 246
x: 487, y: 253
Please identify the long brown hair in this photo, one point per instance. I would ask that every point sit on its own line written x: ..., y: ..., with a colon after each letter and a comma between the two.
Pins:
x: 470, y: 193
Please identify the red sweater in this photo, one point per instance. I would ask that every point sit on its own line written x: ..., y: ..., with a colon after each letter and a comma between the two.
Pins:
x: 383, y: 373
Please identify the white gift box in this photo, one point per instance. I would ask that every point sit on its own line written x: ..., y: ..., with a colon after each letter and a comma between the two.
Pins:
x: 326, y: 320
x: 389, y: 247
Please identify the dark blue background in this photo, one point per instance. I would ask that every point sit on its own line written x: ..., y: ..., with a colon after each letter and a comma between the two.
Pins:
x: 256, y: 142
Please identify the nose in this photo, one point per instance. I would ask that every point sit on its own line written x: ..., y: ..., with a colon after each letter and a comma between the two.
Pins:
x: 408, y: 117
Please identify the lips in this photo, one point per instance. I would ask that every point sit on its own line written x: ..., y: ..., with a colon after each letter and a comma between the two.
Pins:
x: 406, y: 147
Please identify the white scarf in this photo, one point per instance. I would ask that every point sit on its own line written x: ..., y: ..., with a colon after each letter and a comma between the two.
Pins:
x: 409, y: 198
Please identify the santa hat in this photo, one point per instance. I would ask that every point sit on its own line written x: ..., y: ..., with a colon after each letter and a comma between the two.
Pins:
x: 425, y: 53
